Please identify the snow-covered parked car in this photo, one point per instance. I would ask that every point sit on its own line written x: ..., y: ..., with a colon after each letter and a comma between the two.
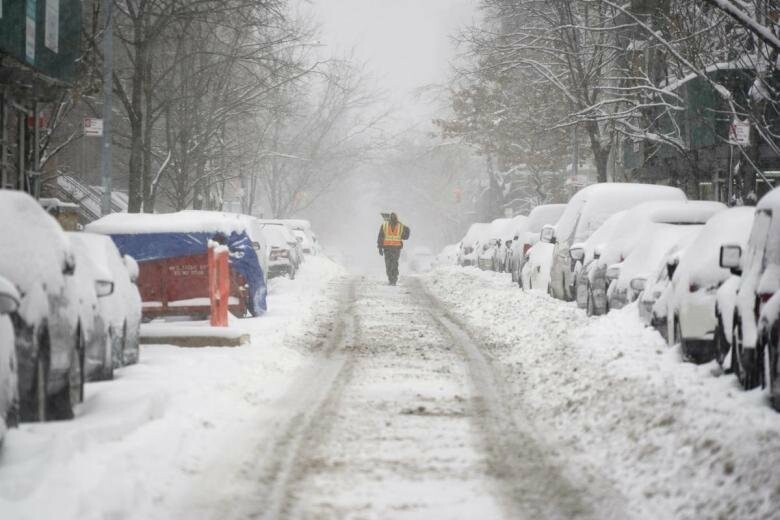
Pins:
x: 512, y: 229
x: 652, y: 301
x: 536, y: 270
x: 92, y: 282
x: 302, y: 229
x: 669, y: 224
x: 119, y: 308
x: 281, y: 257
x: 468, y: 252
x: 584, y: 214
x: 540, y: 216
x: 421, y: 260
x: 697, y: 278
x: 491, y: 245
x: 655, y: 227
x: 586, y: 255
x: 294, y: 247
x: 756, y: 324
x: 9, y: 382
x: 37, y: 258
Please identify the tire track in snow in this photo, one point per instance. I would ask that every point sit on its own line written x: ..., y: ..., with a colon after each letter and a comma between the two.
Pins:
x: 533, y: 486
x: 303, y: 407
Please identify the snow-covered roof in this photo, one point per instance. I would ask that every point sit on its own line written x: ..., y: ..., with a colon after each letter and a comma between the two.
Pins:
x: 701, y: 262
x: 544, y: 214
x: 691, y: 212
x: 592, y: 205
x: 33, y: 247
x: 475, y: 233
x: 188, y: 221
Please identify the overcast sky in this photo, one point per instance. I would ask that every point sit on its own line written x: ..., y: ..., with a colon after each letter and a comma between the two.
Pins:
x: 405, y: 43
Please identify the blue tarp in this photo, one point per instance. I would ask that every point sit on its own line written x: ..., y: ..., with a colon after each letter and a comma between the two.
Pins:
x: 243, y: 259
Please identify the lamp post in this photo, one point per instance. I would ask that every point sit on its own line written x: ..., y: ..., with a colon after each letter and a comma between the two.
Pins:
x: 108, y: 73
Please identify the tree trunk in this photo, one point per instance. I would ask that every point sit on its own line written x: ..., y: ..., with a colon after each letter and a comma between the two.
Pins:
x: 600, y: 152
x: 148, y: 205
x: 136, y: 181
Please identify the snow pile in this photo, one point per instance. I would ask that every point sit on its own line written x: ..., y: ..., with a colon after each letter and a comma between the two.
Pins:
x: 188, y: 221
x: 169, y: 431
x: 677, y: 440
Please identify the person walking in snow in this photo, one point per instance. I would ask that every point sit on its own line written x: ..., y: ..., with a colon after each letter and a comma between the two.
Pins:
x: 392, y: 233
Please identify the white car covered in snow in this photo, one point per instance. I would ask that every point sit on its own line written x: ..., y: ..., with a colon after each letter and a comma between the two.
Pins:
x: 282, y: 253
x: 536, y: 270
x: 491, y: 245
x: 37, y: 258
x: 756, y: 322
x: 469, y: 245
x: 120, y: 307
x: 9, y: 382
x: 540, y: 216
x: 668, y: 224
x: 587, y: 210
x: 652, y: 227
x: 696, y: 280
x: 587, y: 254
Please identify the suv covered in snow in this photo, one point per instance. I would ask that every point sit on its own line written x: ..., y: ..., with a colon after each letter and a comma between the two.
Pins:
x: 36, y: 257
x: 585, y: 213
x: 756, y: 322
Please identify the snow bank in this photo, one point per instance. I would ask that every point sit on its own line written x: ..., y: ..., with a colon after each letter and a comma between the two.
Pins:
x: 677, y: 440
x: 167, y: 431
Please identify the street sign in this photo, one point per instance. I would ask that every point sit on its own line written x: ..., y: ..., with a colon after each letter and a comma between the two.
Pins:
x: 739, y: 132
x: 93, y: 127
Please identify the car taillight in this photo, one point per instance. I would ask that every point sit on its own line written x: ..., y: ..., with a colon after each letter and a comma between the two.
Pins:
x: 764, y: 297
x: 526, y: 247
x: 693, y: 287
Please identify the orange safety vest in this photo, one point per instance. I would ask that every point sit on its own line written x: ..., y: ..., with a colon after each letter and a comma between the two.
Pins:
x: 392, y: 236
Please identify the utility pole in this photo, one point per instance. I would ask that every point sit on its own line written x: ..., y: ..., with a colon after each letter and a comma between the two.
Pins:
x: 108, y: 75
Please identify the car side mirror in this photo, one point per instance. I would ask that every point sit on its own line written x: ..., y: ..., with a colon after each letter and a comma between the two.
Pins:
x: 577, y: 252
x: 104, y: 288
x: 132, y: 267
x: 638, y: 284
x: 548, y: 234
x: 69, y: 265
x: 731, y: 258
x: 671, y: 267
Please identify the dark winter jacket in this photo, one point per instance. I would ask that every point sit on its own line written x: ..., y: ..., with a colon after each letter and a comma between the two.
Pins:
x: 381, y: 238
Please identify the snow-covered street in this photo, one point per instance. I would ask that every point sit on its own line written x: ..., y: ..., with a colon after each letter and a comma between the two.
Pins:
x: 428, y: 400
x: 611, y: 401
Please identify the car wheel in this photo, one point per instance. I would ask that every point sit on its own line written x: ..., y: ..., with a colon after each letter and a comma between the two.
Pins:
x: 590, y: 306
x: 62, y: 403
x: 721, y: 345
x: 772, y: 374
x: 40, y: 397
x: 744, y: 361
x: 34, y: 401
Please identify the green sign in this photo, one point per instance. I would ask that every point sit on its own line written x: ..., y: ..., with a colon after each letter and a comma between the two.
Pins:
x: 44, y: 34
